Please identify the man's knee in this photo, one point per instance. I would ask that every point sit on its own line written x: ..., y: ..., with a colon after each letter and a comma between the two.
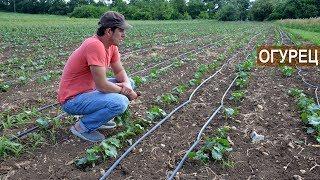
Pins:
x: 120, y: 103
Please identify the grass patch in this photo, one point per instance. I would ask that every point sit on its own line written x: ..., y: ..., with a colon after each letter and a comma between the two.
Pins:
x: 313, y: 37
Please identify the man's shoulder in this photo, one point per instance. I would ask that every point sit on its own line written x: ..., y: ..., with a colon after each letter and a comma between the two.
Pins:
x: 92, y: 41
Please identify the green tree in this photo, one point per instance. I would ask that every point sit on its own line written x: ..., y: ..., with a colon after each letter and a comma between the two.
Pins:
x: 243, y: 7
x: 88, y: 11
x: 161, y: 10
x: 195, y: 7
x: 179, y: 5
x: 261, y: 9
x: 58, y: 7
x: 228, y: 13
x: 77, y: 3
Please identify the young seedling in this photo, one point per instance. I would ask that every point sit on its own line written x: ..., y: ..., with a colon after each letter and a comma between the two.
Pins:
x: 241, y: 83
x: 245, y: 66
x: 214, y: 148
x: 179, y: 89
x: 36, y: 139
x: 287, y: 71
x: 295, y: 92
x: 155, y: 113
x: 154, y: 73
x: 237, y: 95
x: 4, y: 87
x: 178, y: 63
x: 230, y: 113
x: 194, y: 82
x: 138, y: 80
x: 168, y: 98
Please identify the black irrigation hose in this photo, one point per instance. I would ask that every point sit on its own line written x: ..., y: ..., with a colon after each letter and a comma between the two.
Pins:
x: 21, y: 134
x: 47, y: 106
x: 178, y: 167
x: 115, y: 164
x: 315, y: 86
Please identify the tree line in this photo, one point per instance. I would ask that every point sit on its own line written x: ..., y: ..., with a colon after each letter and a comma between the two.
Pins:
x: 224, y: 10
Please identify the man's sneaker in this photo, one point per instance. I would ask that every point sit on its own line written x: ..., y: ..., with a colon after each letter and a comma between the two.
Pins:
x: 93, y: 136
x: 108, y: 125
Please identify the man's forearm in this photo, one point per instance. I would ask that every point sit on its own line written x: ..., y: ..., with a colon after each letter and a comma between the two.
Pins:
x: 109, y: 87
x: 122, y: 77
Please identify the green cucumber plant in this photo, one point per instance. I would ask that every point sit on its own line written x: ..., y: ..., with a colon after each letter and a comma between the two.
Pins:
x: 155, y: 113
x: 138, y: 80
x: 154, y: 73
x: 109, y: 147
x: 241, y: 82
x: 4, y: 87
x: 167, y: 98
x: 245, y: 66
x: 214, y: 148
x: 179, y: 89
x: 237, y: 95
x: 287, y: 71
x: 178, y: 63
x: 24, y: 117
x: 310, y: 112
x: 230, y: 113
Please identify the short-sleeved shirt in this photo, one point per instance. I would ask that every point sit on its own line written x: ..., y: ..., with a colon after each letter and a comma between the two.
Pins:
x: 76, y: 77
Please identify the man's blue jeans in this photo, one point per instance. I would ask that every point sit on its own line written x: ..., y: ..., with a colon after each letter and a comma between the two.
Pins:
x: 97, y: 108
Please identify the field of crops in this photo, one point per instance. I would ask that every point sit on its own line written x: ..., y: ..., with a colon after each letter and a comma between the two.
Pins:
x: 206, y: 110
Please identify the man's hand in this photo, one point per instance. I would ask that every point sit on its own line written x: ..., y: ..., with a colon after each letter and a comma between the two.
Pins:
x: 127, y: 91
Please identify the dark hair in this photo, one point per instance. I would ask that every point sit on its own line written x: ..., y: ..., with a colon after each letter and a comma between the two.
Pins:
x: 101, y: 30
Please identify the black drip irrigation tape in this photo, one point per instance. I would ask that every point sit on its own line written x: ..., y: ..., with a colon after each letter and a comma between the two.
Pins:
x: 178, y: 167
x: 115, y: 164
x: 47, y: 106
x: 34, y: 128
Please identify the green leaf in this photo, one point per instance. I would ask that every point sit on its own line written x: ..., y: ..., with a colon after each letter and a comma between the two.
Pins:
x: 304, y: 117
x: 200, y: 155
x: 314, y: 120
x: 81, y: 163
x: 91, y: 155
x: 223, y: 142
x: 125, y: 135
x: 109, y: 150
x: 216, y: 154
x: 313, y: 108
x: 113, y: 141
x: 192, y: 155
x: 295, y: 92
x: 310, y: 130
x: 318, y: 139
x: 138, y: 129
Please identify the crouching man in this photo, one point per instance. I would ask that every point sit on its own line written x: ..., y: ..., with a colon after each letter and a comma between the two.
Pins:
x: 85, y: 90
